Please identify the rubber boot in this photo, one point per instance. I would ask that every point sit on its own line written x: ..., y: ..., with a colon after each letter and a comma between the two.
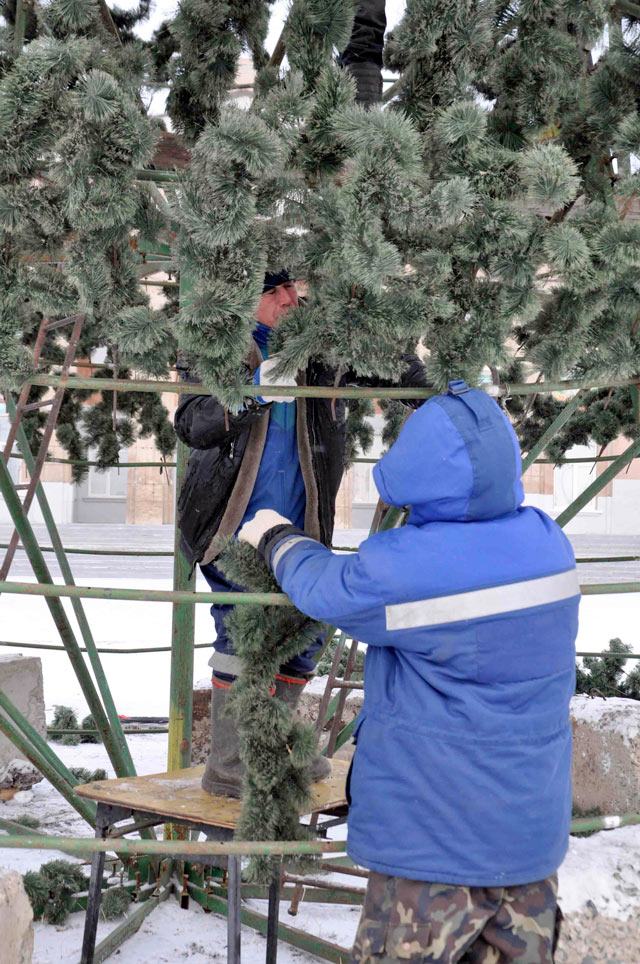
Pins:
x: 224, y: 770
x: 289, y: 689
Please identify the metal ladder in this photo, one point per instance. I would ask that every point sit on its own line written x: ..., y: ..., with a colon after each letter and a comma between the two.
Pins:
x: 54, y: 404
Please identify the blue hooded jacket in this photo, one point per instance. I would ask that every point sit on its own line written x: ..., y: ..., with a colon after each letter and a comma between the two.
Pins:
x: 462, y: 768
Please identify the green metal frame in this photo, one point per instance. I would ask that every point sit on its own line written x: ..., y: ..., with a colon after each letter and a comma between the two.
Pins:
x: 109, y: 652
x: 50, y: 591
x: 19, y: 26
x: 182, y: 648
x: 552, y: 431
x: 111, y: 733
x: 172, y: 848
x: 599, y: 483
x: 116, y: 743
x: 100, y: 701
x: 315, y: 391
x: 17, y: 729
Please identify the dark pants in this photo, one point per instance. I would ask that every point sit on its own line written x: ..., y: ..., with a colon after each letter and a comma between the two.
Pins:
x: 414, y: 920
x: 367, y: 36
x: 300, y: 665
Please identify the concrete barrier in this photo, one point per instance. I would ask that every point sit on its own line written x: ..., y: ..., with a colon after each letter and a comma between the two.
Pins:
x: 16, y: 917
x: 606, y: 755
x: 21, y: 680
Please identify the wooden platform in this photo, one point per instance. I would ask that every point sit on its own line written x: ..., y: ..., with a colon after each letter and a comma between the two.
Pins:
x: 179, y: 794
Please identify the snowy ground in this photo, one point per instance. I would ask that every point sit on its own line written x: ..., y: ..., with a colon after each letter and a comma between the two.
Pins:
x: 600, y: 872
x: 599, y: 875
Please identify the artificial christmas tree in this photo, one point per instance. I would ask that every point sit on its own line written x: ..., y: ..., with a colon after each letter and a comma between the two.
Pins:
x: 74, y: 131
x: 485, y: 212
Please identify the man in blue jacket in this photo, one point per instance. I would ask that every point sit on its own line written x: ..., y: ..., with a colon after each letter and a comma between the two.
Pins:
x: 460, y: 785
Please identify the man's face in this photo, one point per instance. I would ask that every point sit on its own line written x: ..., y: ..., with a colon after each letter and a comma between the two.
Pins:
x: 276, y: 302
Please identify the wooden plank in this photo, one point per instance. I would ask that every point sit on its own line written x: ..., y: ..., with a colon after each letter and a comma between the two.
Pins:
x: 179, y: 795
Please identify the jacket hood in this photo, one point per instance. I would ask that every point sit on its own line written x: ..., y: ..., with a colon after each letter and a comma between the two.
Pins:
x: 457, y: 459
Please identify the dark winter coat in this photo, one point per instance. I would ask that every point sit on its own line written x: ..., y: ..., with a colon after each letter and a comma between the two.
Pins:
x: 470, y: 612
x: 227, y: 450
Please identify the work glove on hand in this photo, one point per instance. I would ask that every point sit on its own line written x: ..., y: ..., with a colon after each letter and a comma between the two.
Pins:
x: 264, y: 376
x: 264, y: 519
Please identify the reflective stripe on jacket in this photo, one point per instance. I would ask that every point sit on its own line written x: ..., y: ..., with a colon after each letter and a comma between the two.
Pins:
x: 462, y: 767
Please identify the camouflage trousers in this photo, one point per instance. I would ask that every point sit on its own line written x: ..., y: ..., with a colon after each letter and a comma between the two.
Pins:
x: 413, y: 920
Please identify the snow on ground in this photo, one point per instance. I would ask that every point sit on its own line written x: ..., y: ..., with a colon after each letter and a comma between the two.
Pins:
x: 599, y: 872
x: 602, y: 869
x: 169, y: 934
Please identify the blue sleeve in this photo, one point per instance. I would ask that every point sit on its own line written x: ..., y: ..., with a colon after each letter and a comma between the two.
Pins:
x: 329, y: 587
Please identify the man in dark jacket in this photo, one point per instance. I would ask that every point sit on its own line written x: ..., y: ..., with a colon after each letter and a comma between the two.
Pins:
x: 460, y: 783
x: 287, y: 456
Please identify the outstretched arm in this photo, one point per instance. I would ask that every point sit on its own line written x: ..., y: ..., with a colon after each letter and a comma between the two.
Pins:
x: 329, y: 587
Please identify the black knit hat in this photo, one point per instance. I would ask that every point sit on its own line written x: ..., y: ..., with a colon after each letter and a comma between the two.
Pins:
x: 274, y: 278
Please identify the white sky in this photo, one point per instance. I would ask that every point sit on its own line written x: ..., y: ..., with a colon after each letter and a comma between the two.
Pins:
x: 165, y: 9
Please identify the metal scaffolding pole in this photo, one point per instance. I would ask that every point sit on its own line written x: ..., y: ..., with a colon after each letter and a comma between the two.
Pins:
x: 50, y: 771
x: 42, y: 574
x: 122, y: 761
x: 182, y: 641
x: 551, y: 431
x: 317, y: 391
x: 173, y: 848
x: 599, y: 483
x: 222, y: 598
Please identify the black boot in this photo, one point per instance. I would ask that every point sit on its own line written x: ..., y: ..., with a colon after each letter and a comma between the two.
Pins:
x: 224, y: 770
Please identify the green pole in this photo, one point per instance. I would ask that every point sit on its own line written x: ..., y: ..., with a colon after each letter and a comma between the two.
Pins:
x: 223, y: 598
x: 101, y: 552
x: 159, y: 177
x: 182, y: 634
x: 182, y: 640
x: 175, y: 848
x: 86, y: 809
x: 314, y: 391
x: 109, y: 652
x: 38, y: 742
x: 609, y: 589
x: 599, y: 483
x: 551, y: 431
x: 145, y: 595
x: 112, y: 465
x: 19, y: 27
x: 42, y: 574
x: 117, y: 747
x: 172, y: 465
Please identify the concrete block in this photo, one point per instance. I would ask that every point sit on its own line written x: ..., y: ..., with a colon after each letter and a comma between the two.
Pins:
x: 21, y: 680
x: 19, y: 775
x: 16, y: 917
x: 606, y: 755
